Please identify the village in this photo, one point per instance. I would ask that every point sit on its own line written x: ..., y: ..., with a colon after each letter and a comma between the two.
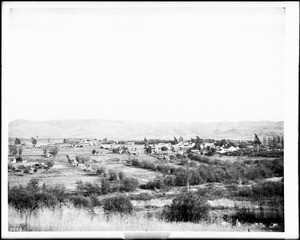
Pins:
x: 167, y: 149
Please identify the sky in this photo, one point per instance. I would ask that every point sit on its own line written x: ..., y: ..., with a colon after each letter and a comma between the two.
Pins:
x: 140, y: 63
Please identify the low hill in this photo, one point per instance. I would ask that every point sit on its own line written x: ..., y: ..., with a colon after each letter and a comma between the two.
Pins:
x: 129, y: 130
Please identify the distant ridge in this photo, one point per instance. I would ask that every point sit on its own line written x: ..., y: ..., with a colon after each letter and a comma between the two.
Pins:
x: 134, y: 130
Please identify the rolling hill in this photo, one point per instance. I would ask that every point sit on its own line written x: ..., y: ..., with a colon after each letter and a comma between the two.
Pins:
x: 129, y: 130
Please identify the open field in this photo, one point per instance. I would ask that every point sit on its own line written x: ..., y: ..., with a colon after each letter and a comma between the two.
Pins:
x: 64, y: 173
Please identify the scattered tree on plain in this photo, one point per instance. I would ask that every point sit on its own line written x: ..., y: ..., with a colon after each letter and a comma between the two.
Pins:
x: 33, y: 141
x: 17, y: 141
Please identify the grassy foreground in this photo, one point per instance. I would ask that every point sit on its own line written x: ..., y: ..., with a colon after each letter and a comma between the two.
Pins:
x: 69, y: 218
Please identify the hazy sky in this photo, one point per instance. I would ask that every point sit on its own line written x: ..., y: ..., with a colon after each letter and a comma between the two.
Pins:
x: 155, y: 64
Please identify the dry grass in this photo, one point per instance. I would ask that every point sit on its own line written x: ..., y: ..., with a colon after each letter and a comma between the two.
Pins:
x: 71, y: 219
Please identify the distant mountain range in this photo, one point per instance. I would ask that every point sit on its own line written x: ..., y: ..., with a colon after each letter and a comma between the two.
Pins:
x: 137, y: 130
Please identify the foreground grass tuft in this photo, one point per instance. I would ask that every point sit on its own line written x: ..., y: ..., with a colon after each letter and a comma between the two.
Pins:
x: 68, y: 218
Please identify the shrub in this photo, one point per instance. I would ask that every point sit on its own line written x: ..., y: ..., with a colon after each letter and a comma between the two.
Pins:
x: 117, y: 204
x: 22, y: 199
x: 157, y: 183
x: 58, y: 190
x: 263, y: 189
x: 164, y: 148
x: 232, y: 187
x: 277, y: 167
x: 100, y: 170
x: 45, y: 150
x: 32, y: 196
x: 268, y: 189
x: 26, y: 171
x: 88, y: 188
x: 20, y: 150
x: 186, y: 208
x: 195, y: 178
x: 19, y: 159
x: 12, y: 150
x: 21, y: 167
x: 141, y: 197
x: 113, y: 176
x: 49, y: 164
x: 17, y: 141
x: 183, y: 161
x: 95, y: 201
x: 181, y: 178
x: 245, y: 215
x: 129, y: 184
x: 121, y: 175
x: 80, y: 185
x: 164, y: 168
x: 169, y: 180
x: 10, y: 166
x: 193, y: 164
x: 147, y: 165
x: 82, y: 158
x: 80, y: 201
x: 35, y: 170
x: 219, y: 174
x: 135, y: 162
x: 199, y: 158
x: 105, y: 186
x: 244, y: 191
x: 54, y: 151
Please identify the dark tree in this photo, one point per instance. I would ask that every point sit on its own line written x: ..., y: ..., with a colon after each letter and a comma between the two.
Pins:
x: 17, y: 141
x: 33, y: 141
x: 148, y: 149
x: 256, y: 140
x: 164, y: 148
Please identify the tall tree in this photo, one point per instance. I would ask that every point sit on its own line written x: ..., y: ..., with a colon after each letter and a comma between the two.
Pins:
x: 33, y: 141
x: 256, y: 140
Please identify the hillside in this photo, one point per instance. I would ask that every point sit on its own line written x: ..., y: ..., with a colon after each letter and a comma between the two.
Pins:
x: 128, y: 130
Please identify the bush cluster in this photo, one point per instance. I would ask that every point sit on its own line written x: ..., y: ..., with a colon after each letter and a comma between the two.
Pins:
x: 223, y: 173
x: 262, y: 189
x: 32, y: 196
x: 82, y: 158
x: 140, y: 197
x: 14, y: 150
x: 164, y: 168
x: 51, y: 150
x: 247, y: 215
x: 188, y: 207
x: 199, y: 158
x: 108, y: 185
x: 101, y: 171
x: 117, y: 204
